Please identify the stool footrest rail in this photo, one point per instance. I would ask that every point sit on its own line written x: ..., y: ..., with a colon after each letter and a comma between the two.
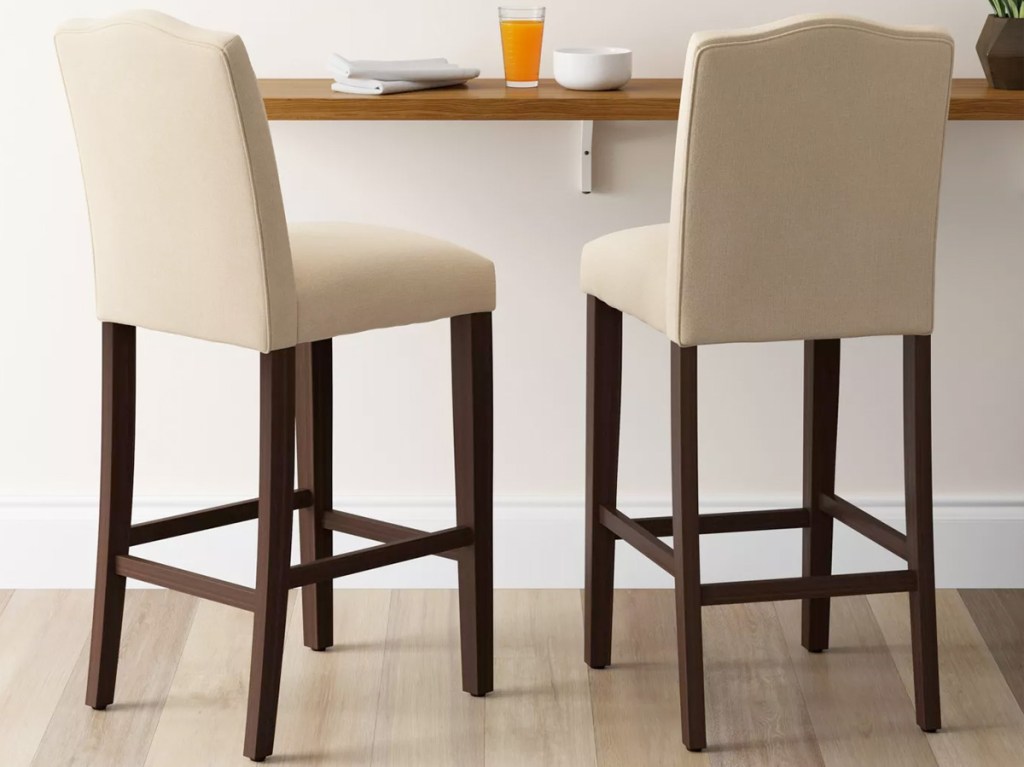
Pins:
x: 422, y: 545
x: 811, y: 587
x: 205, y: 519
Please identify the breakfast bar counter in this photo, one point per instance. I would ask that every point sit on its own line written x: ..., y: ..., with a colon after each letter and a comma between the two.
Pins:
x: 489, y: 99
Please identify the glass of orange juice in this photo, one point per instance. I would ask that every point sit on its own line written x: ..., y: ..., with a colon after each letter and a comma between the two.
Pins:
x: 521, y: 32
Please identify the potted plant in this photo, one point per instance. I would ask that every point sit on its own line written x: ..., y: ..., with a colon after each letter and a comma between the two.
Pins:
x: 1001, y: 45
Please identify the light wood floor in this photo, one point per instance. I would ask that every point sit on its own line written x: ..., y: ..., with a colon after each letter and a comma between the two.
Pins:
x: 389, y: 693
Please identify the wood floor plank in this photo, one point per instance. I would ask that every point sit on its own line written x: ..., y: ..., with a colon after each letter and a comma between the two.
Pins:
x: 203, y: 721
x: 999, y: 616
x: 636, y: 699
x: 156, y: 623
x: 329, y: 699
x: 41, y: 636
x: 859, y: 709
x: 424, y: 718
x: 390, y: 693
x: 756, y: 712
x: 756, y: 715
x: 540, y: 711
x: 982, y: 724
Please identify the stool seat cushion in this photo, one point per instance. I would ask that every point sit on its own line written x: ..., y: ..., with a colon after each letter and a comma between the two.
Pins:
x: 627, y: 270
x: 355, y: 277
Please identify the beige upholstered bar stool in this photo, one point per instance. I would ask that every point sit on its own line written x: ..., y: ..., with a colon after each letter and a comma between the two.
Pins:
x: 804, y: 207
x: 190, y: 237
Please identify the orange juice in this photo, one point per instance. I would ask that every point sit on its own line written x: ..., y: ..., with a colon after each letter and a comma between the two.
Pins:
x: 520, y: 43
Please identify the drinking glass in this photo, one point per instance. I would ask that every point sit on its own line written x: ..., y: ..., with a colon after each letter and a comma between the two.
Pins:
x: 522, y: 30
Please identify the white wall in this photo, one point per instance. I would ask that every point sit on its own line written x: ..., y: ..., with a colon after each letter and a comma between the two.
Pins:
x: 507, y: 190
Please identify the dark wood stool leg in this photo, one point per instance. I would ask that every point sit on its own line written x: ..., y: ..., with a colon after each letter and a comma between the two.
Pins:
x: 472, y: 406
x: 273, y: 548
x: 117, y: 474
x: 604, y: 398
x: 917, y: 438
x: 821, y: 415
x: 314, y: 414
x: 686, y: 545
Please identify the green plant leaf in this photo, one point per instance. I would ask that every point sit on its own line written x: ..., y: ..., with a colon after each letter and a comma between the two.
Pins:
x: 1008, y: 9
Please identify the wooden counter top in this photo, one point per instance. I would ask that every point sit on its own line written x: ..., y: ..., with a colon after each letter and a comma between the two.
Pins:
x: 642, y: 99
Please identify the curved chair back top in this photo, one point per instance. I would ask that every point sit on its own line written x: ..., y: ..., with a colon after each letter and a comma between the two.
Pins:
x: 188, y: 227
x: 805, y: 196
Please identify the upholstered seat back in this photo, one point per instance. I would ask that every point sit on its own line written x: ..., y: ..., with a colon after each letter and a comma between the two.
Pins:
x: 188, y: 227
x: 806, y: 183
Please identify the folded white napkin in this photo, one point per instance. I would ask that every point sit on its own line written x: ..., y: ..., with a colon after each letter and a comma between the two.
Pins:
x: 364, y: 87
x: 415, y: 70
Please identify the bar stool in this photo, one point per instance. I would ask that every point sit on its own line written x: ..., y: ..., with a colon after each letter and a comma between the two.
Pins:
x: 189, y: 237
x: 804, y: 207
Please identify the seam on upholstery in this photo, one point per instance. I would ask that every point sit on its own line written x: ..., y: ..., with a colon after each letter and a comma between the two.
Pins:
x: 100, y: 25
x: 686, y: 195
x: 938, y: 194
x: 253, y: 196
x: 929, y: 38
x: 866, y: 28
x: 81, y: 170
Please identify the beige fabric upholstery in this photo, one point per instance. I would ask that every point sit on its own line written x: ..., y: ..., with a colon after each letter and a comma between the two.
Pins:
x: 627, y: 270
x: 353, y: 277
x: 805, y: 197
x: 188, y: 225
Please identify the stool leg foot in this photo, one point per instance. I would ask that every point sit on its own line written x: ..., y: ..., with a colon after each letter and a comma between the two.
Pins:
x: 473, y: 410
x: 273, y: 548
x: 117, y: 473
x: 686, y: 549
x: 313, y: 427
x: 920, y: 543
x: 604, y: 396
x: 821, y: 415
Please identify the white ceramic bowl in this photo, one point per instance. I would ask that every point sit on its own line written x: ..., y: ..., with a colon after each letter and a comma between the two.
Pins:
x: 593, y: 69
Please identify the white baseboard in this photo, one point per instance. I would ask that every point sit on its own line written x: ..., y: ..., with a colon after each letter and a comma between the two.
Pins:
x: 50, y: 543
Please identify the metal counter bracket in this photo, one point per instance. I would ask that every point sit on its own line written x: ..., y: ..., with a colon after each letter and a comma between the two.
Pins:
x: 586, y: 155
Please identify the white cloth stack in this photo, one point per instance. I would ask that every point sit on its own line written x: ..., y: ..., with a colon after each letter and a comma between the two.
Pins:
x: 365, y: 77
